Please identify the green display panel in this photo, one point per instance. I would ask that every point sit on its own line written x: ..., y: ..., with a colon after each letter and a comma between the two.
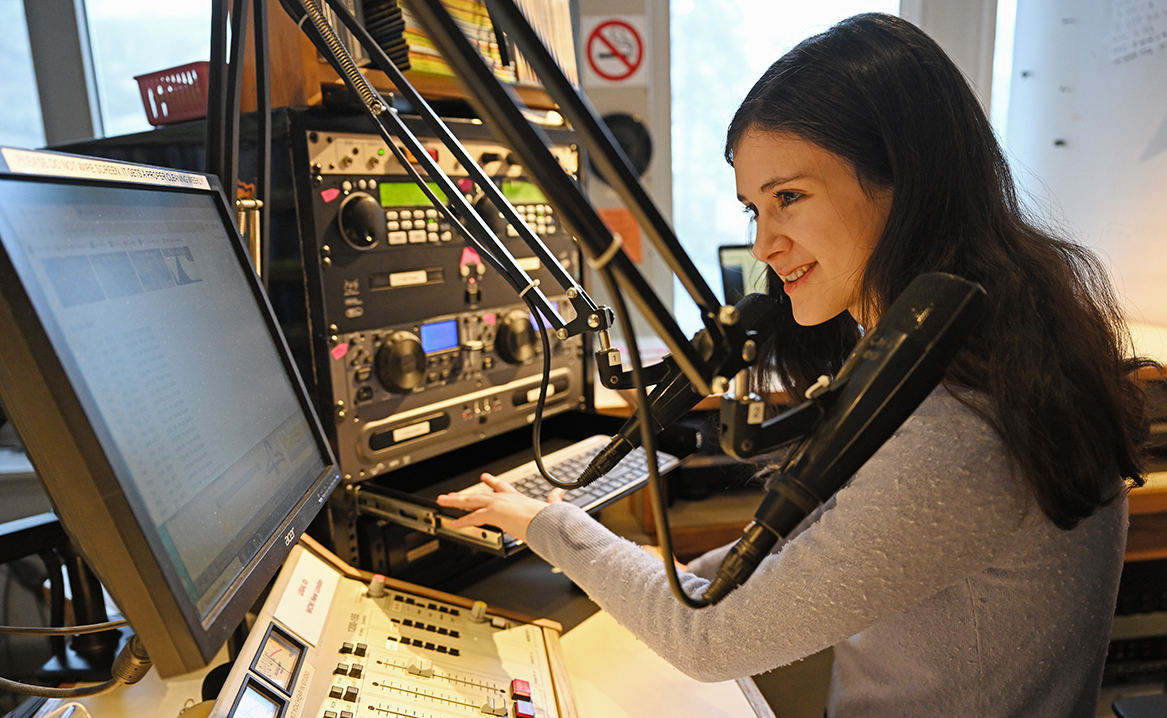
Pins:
x: 519, y: 192
x: 407, y: 194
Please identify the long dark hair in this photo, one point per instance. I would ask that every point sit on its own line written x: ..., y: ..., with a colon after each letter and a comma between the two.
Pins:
x: 1051, y: 352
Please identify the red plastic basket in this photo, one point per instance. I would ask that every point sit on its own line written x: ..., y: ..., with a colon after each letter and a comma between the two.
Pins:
x: 175, y: 95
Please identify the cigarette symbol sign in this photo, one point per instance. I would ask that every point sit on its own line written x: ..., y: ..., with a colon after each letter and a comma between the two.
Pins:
x: 615, y: 50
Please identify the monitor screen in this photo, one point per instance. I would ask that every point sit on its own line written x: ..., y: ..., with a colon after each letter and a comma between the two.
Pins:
x: 166, y: 374
x: 741, y: 272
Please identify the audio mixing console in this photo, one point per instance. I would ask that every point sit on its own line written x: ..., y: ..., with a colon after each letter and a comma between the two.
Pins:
x: 329, y: 644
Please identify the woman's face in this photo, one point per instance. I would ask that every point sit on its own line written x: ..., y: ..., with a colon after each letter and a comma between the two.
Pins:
x: 816, y: 226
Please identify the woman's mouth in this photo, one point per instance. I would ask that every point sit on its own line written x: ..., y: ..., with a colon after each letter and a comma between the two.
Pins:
x: 790, y: 280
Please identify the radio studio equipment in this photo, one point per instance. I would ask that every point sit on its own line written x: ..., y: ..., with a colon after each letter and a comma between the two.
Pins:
x: 674, y: 395
x: 353, y: 645
x: 161, y: 407
x: 418, y: 346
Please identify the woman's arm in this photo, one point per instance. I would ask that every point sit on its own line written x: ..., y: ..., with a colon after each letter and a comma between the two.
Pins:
x: 934, y: 505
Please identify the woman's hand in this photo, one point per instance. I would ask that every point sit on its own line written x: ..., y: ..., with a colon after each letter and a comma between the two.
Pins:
x: 506, y: 508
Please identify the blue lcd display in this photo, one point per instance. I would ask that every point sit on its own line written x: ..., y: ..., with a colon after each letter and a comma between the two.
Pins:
x: 439, y: 336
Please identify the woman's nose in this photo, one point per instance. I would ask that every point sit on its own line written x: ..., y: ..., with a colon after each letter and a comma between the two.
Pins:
x: 764, y: 240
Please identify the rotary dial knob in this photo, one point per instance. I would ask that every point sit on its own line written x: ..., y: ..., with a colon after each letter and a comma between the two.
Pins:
x: 515, y: 340
x: 362, y: 221
x: 401, y: 362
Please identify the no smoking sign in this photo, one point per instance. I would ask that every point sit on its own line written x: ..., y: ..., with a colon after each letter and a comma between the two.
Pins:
x: 615, y: 50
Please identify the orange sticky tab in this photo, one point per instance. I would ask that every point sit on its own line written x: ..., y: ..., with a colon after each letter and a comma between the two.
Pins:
x: 620, y: 221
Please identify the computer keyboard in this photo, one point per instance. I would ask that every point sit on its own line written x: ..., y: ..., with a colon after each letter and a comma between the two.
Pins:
x: 569, y: 462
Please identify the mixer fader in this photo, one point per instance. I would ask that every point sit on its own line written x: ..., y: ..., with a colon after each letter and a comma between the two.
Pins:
x: 330, y: 645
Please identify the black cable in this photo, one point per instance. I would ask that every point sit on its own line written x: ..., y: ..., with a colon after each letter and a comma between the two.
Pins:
x: 63, y: 630
x: 537, y: 427
x: 130, y: 666
x: 660, y: 516
x: 30, y: 689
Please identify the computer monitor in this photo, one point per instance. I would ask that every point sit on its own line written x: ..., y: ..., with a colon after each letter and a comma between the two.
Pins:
x: 741, y: 272
x: 141, y: 364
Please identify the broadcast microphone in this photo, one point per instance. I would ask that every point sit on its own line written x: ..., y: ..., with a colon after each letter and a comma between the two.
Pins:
x: 674, y: 396
x: 893, y: 368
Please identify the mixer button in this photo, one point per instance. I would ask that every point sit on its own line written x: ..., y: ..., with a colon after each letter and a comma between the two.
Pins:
x: 351, y: 693
x: 356, y: 670
x: 454, y: 634
x: 361, y: 649
x: 524, y: 709
x: 346, y: 647
x: 454, y: 652
x: 335, y: 692
x: 329, y: 714
x: 520, y: 689
x: 346, y: 714
x: 341, y: 669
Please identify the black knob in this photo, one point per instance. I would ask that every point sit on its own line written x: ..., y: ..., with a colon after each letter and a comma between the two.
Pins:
x: 362, y: 221
x: 401, y: 362
x: 515, y: 340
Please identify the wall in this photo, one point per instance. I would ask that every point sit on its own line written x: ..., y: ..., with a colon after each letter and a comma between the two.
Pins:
x: 648, y: 100
x: 1088, y: 133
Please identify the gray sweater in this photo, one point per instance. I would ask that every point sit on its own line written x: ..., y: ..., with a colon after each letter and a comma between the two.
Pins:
x: 942, y: 586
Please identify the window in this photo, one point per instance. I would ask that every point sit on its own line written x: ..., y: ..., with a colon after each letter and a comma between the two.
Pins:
x: 130, y: 38
x: 719, y: 49
x: 20, y: 121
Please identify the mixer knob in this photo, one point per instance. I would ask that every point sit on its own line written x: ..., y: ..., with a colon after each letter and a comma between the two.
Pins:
x: 401, y: 362
x: 515, y: 341
x: 478, y: 612
x: 362, y: 221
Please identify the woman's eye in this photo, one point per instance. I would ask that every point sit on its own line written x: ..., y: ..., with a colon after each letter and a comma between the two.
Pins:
x: 750, y: 211
x: 787, y: 198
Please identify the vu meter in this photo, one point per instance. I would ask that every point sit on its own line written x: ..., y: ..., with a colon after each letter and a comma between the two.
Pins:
x: 279, y: 659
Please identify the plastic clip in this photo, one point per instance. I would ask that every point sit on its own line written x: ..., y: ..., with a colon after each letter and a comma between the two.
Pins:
x: 534, y: 283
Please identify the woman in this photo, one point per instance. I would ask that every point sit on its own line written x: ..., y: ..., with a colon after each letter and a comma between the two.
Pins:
x: 971, y: 566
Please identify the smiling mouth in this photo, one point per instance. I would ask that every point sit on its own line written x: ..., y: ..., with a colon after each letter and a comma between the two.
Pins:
x: 796, y: 274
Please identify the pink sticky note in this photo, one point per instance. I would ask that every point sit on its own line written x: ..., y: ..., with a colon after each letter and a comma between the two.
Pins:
x: 329, y: 194
x: 339, y: 351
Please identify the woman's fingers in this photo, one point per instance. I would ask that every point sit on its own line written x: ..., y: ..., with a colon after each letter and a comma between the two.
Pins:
x: 497, y: 485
